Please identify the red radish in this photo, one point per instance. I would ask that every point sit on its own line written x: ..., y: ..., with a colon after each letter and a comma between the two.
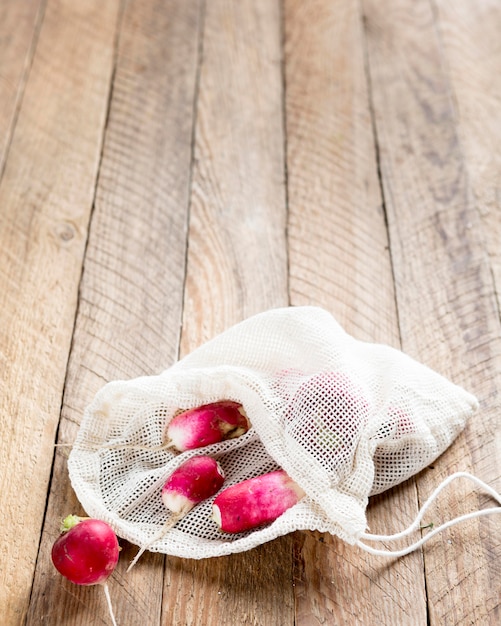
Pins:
x: 198, y: 427
x: 195, y: 480
x: 86, y: 553
x: 404, y: 424
x: 326, y: 416
x: 255, y: 501
x: 398, y: 424
x: 210, y: 423
x: 87, y: 550
x: 286, y: 381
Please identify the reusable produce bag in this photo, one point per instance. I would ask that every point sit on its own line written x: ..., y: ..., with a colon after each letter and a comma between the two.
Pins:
x: 345, y: 419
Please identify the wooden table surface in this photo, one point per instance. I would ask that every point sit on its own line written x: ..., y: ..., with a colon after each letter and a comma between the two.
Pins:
x: 171, y: 167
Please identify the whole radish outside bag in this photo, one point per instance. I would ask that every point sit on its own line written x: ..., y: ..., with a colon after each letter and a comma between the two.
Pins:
x: 345, y: 419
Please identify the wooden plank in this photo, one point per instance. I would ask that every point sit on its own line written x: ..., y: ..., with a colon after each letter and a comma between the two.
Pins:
x: 470, y: 35
x: 19, y: 27
x: 131, y: 296
x: 339, y: 247
x: 339, y: 259
x: 237, y: 266
x: 46, y: 196
x: 445, y: 293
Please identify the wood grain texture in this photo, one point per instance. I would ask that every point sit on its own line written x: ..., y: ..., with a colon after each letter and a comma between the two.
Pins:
x: 169, y: 168
x: 469, y: 36
x: 237, y: 266
x: 129, y: 316
x: 443, y: 278
x: 339, y: 259
x: 338, y: 242
x: 19, y: 28
x: 237, y: 263
x: 46, y: 196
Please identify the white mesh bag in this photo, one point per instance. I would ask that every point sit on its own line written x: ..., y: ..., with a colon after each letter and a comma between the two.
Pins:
x: 345, y: 419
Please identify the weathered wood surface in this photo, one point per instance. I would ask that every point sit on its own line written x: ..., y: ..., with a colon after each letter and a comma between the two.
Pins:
x: 46, y: 196
x: 337, y: 233
x: 170, y: 168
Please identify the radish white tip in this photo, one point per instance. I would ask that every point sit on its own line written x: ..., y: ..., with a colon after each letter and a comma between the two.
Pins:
x: 216, y: 514
x: 177, y: 503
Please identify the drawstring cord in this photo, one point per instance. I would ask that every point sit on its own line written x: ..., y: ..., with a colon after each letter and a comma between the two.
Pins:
x: 416, y: 523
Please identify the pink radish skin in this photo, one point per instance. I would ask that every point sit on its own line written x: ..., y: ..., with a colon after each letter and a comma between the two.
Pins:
x: 210, y: 423
x: 192, y: 482
x: 255, y: 502
x: 86, y: 552
x: 195, y: 480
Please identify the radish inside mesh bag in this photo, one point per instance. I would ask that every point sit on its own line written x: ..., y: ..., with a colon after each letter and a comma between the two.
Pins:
x: 344, y: 418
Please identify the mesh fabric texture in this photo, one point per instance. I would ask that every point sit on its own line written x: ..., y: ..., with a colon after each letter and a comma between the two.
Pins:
x: 345, y: 419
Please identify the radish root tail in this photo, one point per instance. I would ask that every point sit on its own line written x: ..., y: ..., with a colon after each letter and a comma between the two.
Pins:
x: 172, y: 521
